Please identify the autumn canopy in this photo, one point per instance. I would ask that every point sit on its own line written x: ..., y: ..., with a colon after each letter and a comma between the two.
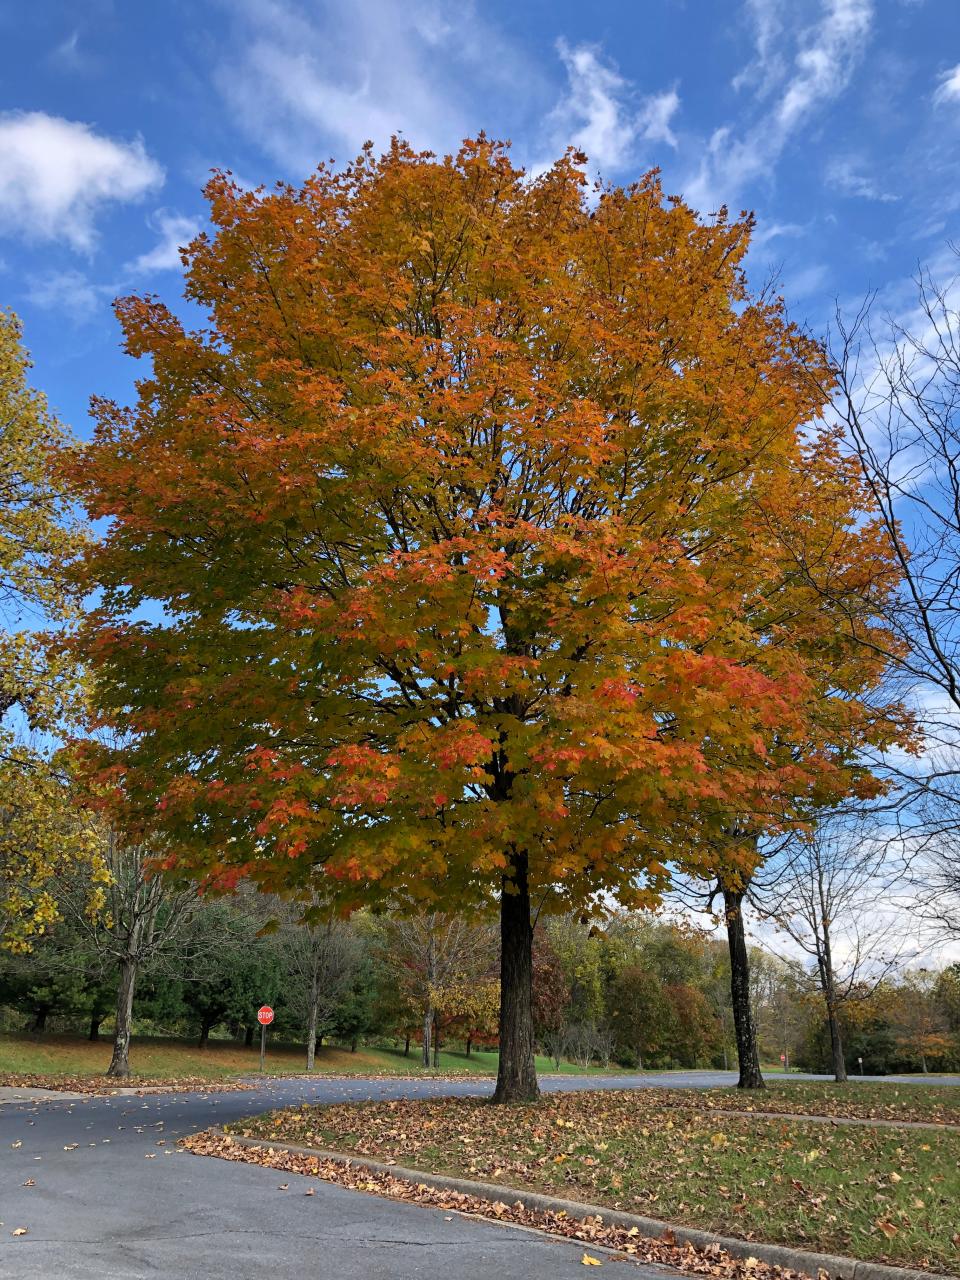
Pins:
x: 480, y: 546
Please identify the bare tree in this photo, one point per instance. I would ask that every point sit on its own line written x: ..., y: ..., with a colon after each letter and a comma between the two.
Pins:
x: 899, y: 396
x: 829, y: 895
x: 142, y: 915
x: 323, y: 954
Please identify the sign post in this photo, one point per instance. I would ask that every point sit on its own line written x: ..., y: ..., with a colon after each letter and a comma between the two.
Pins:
x: 264, y: 1017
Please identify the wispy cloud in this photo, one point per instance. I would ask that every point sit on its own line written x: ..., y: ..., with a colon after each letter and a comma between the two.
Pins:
x: 603, y: 115
x: 846, y: 175
x: 70, y: 293
x: 174, y: 231
x: 305, y: 81
x: 56, y: 175
x: 948, y: 89
x: 826, y: 54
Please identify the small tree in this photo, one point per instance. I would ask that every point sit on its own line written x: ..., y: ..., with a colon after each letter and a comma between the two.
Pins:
x: 142, y: 916
x: 830, y: 888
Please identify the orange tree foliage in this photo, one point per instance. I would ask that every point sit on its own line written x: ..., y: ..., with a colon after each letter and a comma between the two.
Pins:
x: 477, y: 515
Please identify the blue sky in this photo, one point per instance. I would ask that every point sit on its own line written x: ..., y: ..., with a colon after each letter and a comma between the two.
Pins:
x: 837, y: 121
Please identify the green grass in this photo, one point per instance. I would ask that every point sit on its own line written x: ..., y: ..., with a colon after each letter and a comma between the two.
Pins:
x: 63, y: 1058
x: 865, y: 1099
x: 883, y: 1194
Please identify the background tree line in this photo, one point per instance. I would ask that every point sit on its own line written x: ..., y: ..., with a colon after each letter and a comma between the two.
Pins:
x: 638, y: 991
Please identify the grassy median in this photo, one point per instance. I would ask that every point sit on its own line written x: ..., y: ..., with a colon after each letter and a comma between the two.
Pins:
x: 886, y: 1194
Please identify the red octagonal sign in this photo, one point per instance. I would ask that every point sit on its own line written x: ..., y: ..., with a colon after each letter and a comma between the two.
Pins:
x: 265, y: 1015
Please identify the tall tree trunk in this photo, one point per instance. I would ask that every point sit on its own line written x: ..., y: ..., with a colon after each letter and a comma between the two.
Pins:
x: 312, y: 1020
x: 406, y: 1047
x: 120, y: 1062
x: 248, y: 1037
x: 427, y: 1034
x: 204, y: 1034
x: 95, y: 1020
x: 827, y: 982
x: 469, y: 1044
x: 747, y: 1053
x: 516, y: 1070
x: 836, y: 1043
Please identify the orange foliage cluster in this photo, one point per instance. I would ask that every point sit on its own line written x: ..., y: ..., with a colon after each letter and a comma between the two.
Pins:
x: 484, y: 516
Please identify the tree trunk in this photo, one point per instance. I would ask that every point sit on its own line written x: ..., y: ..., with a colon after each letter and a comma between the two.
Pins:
x: 923, y: 1063
x: 427, y: 1035
x: 120, y: 1062
x: 353, y: 1044
x: 516, y: 1070
x: 39, y: 1023
x: 436, y: 1042
x: 95, y: 1020
x: 836, y: 1044
x: 825, y: 965
x: 469, y: 1044
x: 312, y: 1024
x: 406, y: 1047
x: 747, y: 1054
x: 248, y: 1038
x: 204, y: 1034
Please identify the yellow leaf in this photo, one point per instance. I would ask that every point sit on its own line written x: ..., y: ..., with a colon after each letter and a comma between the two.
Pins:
x: 589, y: 1261
x: 19, y: 1231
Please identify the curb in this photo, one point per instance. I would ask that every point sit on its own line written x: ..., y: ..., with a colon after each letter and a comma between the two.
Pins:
x: 812, y: 1264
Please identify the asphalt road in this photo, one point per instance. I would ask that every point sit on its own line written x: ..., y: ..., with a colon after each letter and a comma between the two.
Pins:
x: 113, y: 1198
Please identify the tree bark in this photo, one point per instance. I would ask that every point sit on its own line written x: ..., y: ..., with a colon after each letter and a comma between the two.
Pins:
x: 39, y: 1023
x: 248, y: 1037
x: 406, y: 1047
x: 516, y: 1070
x: 312, y: 1021
x: 120, y: 1062
x: 825, y: 964
x: 469, y: 1044
x: 836, y: 1043
x: 204, y: 1034
x: 747, y: 1053
x: 427, y: 1034
x: 95, y: 1020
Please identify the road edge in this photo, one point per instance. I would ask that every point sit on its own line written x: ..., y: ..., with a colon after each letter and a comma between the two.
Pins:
x: 813, y: 1264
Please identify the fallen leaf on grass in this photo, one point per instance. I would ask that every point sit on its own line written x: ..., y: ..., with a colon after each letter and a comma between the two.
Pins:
x: 887, y: 1227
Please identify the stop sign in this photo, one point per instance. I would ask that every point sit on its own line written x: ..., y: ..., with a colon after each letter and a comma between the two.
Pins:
x: 265, y: 1015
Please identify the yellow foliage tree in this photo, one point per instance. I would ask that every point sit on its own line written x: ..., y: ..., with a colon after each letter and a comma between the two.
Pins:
x: 41, y: 690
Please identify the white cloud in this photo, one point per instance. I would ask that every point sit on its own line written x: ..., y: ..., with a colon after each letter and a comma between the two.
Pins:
x: 948, y: 90
x: 305, y: 80
x: 824, y: 63
x: 601, y: 114
x: 69, y: 293
x: 174, y: 231
x: 826, y: 55
x: 766, y: 20
x: 846, y: 176
x: 56, y: 175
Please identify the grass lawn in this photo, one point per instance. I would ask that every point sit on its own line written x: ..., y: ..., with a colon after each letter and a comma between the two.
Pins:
x: 884, y: 1194
x: 64, y: 1058
x: 865, y: 1100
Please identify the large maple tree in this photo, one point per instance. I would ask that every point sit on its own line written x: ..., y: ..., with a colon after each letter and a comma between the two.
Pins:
x: 441, y: 564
